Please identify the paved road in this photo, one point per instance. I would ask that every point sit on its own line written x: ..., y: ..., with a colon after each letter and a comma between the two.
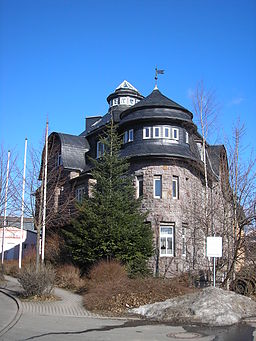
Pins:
x: 67, y: 320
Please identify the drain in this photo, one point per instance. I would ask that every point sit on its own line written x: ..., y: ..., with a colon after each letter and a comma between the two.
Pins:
x: 184, y: 335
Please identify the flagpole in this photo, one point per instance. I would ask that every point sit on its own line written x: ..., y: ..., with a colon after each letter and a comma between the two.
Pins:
x: 5, y: 204
x: 156, y: 78
x: 22, y: 203
x: 45, y: 187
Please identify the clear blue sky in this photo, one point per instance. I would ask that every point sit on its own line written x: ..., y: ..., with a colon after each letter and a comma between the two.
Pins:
x: 64, y: 57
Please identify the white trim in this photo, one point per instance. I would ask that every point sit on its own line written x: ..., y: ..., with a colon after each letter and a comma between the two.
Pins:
x: 139, y: 179
x: 154, y: 132
x: 115, y: 101
x: 177, y: 133
x: 144, y: 133
x: 163, y: 239
x: 130, y: 135
x: 175, y: 181
x: 169, y: 132
x: 186, y: 137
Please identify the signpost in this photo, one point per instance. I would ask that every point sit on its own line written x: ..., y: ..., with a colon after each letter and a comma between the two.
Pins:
x: 214, y: 249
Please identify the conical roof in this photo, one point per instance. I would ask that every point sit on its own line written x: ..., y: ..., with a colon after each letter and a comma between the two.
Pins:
x: 157, y: 99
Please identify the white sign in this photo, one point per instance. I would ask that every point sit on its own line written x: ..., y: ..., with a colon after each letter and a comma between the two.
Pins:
x: 214, y: 246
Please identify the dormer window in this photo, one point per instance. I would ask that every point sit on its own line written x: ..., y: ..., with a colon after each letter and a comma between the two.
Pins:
x: 167, y: 132
x: 156, y: 132
x: 123, y: 100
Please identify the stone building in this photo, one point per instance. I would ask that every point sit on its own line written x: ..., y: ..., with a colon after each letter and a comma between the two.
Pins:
x: 167, y: 161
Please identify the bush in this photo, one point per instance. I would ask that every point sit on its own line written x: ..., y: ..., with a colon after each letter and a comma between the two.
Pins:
x: 107, y: 271
x: 37, y: 283
x: 68, y: 277
x: 11, y: 268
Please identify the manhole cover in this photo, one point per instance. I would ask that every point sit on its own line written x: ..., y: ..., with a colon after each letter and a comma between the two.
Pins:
x: 184, y: 335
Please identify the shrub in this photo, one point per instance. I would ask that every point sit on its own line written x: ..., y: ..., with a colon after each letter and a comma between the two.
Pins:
x: 11, y: 268
x: 68, y: 277
x: 107, y: 271
x: 37, y: 283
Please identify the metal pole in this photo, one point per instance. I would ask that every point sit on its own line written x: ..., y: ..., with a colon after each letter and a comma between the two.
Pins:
x: 5, y: 204
x: 22, y: 203
x: 214, y: 279
x: 45, y: 187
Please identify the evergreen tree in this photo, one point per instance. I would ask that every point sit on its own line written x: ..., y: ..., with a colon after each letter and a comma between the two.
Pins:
x: 110, y: 224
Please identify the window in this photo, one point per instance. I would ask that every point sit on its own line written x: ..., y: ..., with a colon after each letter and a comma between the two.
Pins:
x: 166, y: 240
x: 201, y: 150
x: 123, y: 100
x: 132, y: 101
x: 158, y: 186
x: 100, y: 149
x: 146, y: 133
x: 156, y: 132
x: 183, y: 240
x: 125, y: 137
x: 130, y: 135
x: 187, y: 139
x: 175, y: 187
x: 175, y: 134
x: 58, y: 160
x: 80, y: 192
x: 139, y: 186
x: 115, y: 101
x: 167, y: 132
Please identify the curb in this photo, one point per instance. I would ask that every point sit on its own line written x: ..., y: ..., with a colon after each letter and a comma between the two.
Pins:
x: 16, y: 317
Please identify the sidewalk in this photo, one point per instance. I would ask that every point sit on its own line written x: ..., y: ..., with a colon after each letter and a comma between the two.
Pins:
x: 69, y: 304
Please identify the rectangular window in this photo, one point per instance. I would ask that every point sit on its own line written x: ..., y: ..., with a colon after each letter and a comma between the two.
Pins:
x: 80, y: 192
x: 175, y: 187
x: 139, y: 186
x: 146, y: 133
x: 125, y: 136
x: 123, y: 100
x: 115, y: 101
x: 166, y: 240
x: 187, y: 139
x: 183, y: 239
x: 132, y: 101
x: 156, y: 132
x: 130, y: 135
x: 167, y: 132
x: 175, y: 134
x: 158, y: 186
x: 100, y: 149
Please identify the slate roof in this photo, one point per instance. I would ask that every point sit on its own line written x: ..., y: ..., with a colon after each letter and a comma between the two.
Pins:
x: 153, y: 148
x: 157, y: 99
x: 73, y: 150
x: 214, y: 154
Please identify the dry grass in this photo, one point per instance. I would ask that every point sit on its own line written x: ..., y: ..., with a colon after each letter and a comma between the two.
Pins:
x: 68, y: 277
x: 110, y: 289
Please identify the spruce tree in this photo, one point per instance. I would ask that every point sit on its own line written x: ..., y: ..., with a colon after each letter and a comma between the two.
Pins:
x: 110, y: 224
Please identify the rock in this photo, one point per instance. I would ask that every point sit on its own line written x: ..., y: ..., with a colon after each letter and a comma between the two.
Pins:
x: 211, y: 306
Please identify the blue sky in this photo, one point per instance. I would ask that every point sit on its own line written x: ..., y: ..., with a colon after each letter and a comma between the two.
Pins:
x: 62, y: 58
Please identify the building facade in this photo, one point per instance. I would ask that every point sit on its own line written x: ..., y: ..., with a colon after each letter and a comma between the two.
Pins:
x: 167, y: 161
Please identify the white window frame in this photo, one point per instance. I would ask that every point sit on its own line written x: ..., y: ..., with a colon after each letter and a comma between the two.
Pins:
x: 169, y: 132
x: 173, y: 132
x: 164, y: 236
x: 115, y: 101
x: 99, y: 151
x: 183, y: 240
x: 123, y: 100
x: 187, y: 137
x: 154, y: 132
x: 130, y: 135
x: 126, y: 136
x: 175, y: 182
x: 139, y: 179
x: 131, y: 101
x: 80, y: 192
x: 157, y: 178
x: 144, y: 133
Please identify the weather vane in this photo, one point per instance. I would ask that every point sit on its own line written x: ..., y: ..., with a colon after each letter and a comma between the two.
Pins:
x: 158, y: 72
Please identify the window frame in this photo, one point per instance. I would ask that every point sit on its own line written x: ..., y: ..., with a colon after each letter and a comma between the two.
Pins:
x: 169, y: 132
x: 157, y: 178
x: 144, y: 133
x: 130, y: 132
x: 175, y: 130
x: 166, y: 236
x: 139, y: 180
x: 186, y: 137
x: 175, y: 181
x: 80, y: 193
x: 154, y: 132
x: 115, y: 102
x: 123, y: 101
x: 100, y: 153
